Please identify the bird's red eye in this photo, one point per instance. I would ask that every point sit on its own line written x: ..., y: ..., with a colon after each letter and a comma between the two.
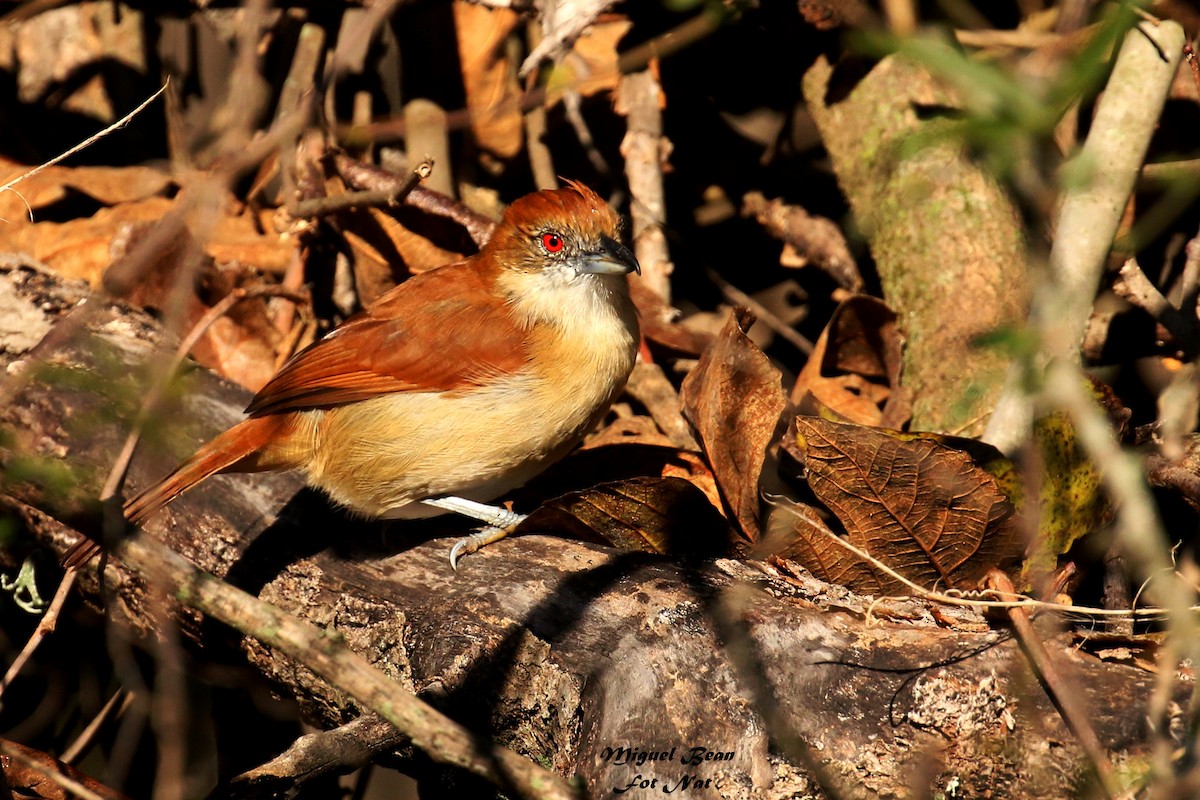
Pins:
x: 552, y: 242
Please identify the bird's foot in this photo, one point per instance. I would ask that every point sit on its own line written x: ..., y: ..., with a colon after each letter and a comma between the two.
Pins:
x: 500, y: 523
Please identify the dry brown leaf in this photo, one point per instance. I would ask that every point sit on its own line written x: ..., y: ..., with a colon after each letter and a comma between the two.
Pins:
x: 622, y: 459
x: 635, y: 429
x: 923, y: 509
x: 733, y: 399
x: 493, y: 94
x: 243, y: 345
x: 418, y: 253
x: 243, y: 238
x: 796, y: 534
x: 592, y: 65
x: 854, y: 370
x: 385, y: 251
x: 107, y: 185
x: 83, y: 248
x: 654, y: 515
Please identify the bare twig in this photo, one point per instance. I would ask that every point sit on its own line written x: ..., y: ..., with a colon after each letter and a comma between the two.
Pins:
x: 341, y: 749
x: 88, y: 142
x: 573, y: 108
x: 816, y: 238
x: 366, y: 176
x: 1064, y: 697
x: 765, y: 316
x: 1162, y: 472
x: 639, y: 99
x: 541, y: 161
x: 297, y: 90
x: 1169, y: 171
x: 377, y: 198
x: 115, y: 707
x: 427, y: 136
x: 1023, y: 39
x: 1134, y: 286
x: 686, y: 33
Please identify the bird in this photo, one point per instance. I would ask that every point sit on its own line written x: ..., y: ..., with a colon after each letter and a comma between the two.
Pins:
x: 455, y: 387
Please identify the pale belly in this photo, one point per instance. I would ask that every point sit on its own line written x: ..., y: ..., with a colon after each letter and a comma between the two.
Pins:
x: 380, y: 457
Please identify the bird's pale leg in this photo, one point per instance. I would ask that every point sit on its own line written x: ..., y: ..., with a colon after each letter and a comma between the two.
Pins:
x: 500, y: 523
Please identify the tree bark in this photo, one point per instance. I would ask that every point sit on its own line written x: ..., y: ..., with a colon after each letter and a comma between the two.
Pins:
x: 566, y: 651
x: 943, y: 233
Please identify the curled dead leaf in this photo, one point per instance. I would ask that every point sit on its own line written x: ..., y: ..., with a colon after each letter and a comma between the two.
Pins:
x: 854, y: 369
x: 733, y: 398
x: 653, y: 515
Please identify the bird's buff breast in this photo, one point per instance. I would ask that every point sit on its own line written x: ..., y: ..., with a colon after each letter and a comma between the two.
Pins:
x: 379, y: 456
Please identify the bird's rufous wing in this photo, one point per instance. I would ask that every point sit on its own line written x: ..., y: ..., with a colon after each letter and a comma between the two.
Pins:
x: 442, y: 330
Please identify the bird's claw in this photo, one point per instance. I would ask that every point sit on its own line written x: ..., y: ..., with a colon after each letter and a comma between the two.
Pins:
x: 469, y: 544
x: 483, y: 537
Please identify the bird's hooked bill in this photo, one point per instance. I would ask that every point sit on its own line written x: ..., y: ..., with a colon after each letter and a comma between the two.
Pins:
x: 613, y: 258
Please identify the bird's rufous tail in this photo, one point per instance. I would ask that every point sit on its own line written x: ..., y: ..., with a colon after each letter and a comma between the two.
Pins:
x: 235, y: 450
x: 241, y: 443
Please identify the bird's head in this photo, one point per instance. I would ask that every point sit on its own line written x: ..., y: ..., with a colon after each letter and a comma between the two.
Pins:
x: 565, y: 233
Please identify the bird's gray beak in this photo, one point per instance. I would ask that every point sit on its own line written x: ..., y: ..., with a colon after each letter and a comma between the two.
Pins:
x: 613, y: 258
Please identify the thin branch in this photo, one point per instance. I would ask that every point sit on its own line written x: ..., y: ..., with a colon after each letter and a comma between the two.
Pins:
x: 1065, y: 699
x: 341, y: 749
x: 365, y: 176
x: 117, y: 704
x: 639, y: 98
x: 1134, y: 286
x: 376, y: 198
x: 764, y: 314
